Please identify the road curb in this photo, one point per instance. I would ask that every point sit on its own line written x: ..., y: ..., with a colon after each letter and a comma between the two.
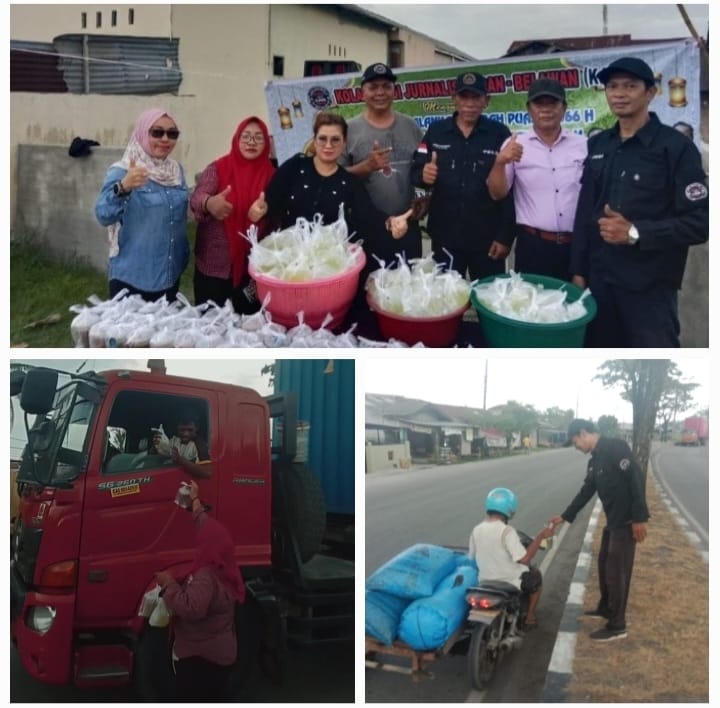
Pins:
x: 560, y: 667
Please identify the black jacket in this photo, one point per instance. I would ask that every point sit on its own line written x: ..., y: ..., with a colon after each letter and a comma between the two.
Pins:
x: 656, y: 181
x: 612, y: 472
x: 461, y: 213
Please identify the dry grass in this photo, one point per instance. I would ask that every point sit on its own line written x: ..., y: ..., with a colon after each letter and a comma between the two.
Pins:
x: 664, y: 658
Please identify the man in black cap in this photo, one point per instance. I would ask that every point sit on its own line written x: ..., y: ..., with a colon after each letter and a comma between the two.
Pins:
x: 543, y: 168
x: 469, y: 231
x: 643, y: 202
x: 614, y: 473
x: 379, y: 149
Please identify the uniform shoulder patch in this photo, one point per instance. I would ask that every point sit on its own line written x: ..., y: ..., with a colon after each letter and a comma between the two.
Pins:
x: 696, y: 191
x: 624, y: 464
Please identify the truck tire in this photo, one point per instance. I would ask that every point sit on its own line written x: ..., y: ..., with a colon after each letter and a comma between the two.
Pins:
x: 304, y: 507
x: 153, y: 676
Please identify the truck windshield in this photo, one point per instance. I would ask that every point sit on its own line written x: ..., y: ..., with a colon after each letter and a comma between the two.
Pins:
x: 56, y: 450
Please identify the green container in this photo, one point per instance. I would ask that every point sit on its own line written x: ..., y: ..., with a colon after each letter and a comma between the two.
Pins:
x: 501, y: 331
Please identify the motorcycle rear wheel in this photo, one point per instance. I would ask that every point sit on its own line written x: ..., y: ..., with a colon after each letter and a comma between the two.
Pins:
x: 481, y: 662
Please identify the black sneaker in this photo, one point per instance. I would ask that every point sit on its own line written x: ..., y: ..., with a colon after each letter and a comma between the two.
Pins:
x: 607, y: 635
x: 599, y: 612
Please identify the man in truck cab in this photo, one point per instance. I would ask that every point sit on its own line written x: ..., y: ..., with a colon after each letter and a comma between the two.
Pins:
x: 189, y: 451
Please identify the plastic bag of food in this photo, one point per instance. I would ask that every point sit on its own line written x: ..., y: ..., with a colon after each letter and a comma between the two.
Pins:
x: 162, y: 442
x: 160, y: 616
x: 149, y: 601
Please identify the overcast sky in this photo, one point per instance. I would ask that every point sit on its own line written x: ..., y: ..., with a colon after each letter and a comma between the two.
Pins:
x: 542, y: 382
x: 485, y: 31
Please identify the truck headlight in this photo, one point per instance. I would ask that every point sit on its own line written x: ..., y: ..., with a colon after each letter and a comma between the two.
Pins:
x: 40, y: 618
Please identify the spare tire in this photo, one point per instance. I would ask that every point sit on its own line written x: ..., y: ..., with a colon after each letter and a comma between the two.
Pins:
x: 303, y: 505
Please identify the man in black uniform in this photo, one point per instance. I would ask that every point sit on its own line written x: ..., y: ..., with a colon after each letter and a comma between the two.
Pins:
x: 454, y: 160
x: 612, y: 472
x: 643, y: 202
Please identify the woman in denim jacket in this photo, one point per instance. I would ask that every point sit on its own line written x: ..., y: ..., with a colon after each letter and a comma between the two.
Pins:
x: 143, y: 202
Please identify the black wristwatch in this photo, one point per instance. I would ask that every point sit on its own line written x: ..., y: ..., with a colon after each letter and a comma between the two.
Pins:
x: 119, y: 190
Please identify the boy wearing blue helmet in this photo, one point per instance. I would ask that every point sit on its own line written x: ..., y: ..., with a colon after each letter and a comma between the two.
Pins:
x: 499, y: 553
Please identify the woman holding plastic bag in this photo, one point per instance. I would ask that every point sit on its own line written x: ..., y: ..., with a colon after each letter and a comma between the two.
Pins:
x: 202, y: 607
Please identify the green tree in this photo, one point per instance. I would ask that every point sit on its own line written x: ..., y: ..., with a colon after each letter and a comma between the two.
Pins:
x: 676, y: 398
x: 269, y: 371
x: 516, y: 418
x: 608, y: 425
x: 557, y: 417
x: 643, y: 382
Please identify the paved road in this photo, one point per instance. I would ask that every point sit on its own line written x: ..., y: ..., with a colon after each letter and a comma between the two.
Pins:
x: 441, y: 505
x: 685, y: 472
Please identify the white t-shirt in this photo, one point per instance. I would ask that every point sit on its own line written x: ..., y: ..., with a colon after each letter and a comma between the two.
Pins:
x: 187, y: 450
x: 496, y: 548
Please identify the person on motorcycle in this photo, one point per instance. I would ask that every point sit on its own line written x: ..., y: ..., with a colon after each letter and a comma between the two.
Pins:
x: 500, y: 554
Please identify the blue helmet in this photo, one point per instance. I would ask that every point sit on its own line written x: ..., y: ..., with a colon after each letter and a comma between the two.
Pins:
x: 501, y: 501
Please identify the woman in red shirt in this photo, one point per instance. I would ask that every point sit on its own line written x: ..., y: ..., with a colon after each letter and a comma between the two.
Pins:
x: 203, y: 611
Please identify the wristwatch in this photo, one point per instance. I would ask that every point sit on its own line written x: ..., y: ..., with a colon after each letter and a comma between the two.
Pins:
x: 119, y: 190
x: 633, y: 235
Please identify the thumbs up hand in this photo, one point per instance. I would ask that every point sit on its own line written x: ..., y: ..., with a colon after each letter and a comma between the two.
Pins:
x: 258, y: 209
x: 218, y: 205
x: 135, y: 177
x: 430, y: 171
x: 379, y: 157
x: 399, y: 224
x: 614, y: 227
x: 511, y: 152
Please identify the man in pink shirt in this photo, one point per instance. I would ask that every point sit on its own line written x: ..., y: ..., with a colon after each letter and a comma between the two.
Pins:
x: 543, y: 167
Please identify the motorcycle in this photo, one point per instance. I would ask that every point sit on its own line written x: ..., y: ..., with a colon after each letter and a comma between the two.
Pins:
x: 496, y: 621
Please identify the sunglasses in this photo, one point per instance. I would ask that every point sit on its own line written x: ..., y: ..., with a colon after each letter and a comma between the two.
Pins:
x: 325, y: 139
x: 248, y: 138
x: 172, y: 133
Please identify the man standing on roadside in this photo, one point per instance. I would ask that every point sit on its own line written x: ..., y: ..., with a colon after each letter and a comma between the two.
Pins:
x: 543, y: 168
x: 468, y: 230
x: 614, y: 473
x: 379, y: 150
x: 643, y: 203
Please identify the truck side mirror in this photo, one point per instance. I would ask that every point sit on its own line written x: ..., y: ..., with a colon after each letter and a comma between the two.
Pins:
x: 38, y: 391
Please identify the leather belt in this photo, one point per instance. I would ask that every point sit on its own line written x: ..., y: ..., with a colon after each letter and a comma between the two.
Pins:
x: 560, y: 237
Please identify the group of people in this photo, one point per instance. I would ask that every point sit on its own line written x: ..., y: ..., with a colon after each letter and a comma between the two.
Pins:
x: 615, y: 212
x: 615, y: 475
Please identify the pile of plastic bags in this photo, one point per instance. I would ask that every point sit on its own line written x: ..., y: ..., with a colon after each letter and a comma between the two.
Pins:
x: 520, y: 300
x: 418, y: 288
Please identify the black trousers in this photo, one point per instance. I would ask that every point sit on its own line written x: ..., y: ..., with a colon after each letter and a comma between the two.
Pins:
x: 474, y: 262
x: 220, y: 290
x: 615, y: 566
x: 536, y: 256
x: 198, y: 680
x: 115, y: 286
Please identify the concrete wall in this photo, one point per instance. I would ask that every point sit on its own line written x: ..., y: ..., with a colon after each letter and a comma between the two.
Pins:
x: 387, y: 457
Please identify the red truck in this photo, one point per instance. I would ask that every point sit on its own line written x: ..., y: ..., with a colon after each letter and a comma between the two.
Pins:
x: 97, y: 521
x: 695, y: 431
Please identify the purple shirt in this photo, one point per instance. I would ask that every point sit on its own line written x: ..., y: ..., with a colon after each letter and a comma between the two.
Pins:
x: 547, y: 180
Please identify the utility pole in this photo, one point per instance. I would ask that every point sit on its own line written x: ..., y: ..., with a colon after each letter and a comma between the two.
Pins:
x: 605, y: 15
x: 485, y: 387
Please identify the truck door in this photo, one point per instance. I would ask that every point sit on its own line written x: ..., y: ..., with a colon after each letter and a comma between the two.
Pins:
x: 131, y: 527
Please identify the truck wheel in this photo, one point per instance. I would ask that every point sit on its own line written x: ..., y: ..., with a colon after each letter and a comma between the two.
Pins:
x: 304, y: 508
x: 153, y: 676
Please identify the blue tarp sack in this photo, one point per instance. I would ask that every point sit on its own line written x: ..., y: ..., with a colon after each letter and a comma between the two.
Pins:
x: 382, y: 615
x: 429, y: 622
x: 415, y: 572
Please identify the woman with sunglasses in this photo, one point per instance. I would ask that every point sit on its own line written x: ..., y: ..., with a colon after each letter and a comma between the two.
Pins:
x: 143, y: 202
x: 306, y: 185
x: 224, y: 204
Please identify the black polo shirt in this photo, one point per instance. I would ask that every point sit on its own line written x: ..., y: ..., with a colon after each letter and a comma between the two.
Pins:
x: 656, y: 181
x: 461, y: 213
x: 612, y: 472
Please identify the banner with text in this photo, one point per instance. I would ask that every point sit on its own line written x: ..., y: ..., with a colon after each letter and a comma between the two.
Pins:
x: 426, y: 94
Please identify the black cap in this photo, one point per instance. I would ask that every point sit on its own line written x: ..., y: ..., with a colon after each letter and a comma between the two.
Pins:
x: 546, y: 87
x: 378, y: 71
x: 628, y: 65
x: 471, y: 81
x: 80, y: 147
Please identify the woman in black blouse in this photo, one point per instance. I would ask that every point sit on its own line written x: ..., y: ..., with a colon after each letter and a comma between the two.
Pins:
x: 307, y: 185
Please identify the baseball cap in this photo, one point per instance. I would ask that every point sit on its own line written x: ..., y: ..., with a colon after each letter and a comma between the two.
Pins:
x: 628, y: 65
x: 471, y: 81
x: 546, y: 87
x: 378, y: 71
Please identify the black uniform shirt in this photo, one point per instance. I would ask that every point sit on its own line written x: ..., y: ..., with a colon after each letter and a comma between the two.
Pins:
x: 656, y: 181
x: 461, y: 213
x: 615, y: 475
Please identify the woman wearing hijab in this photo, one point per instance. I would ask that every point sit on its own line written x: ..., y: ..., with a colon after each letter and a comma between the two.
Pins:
x: 202, y: 608
x: 227, y: 200
x: 143, y: 202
